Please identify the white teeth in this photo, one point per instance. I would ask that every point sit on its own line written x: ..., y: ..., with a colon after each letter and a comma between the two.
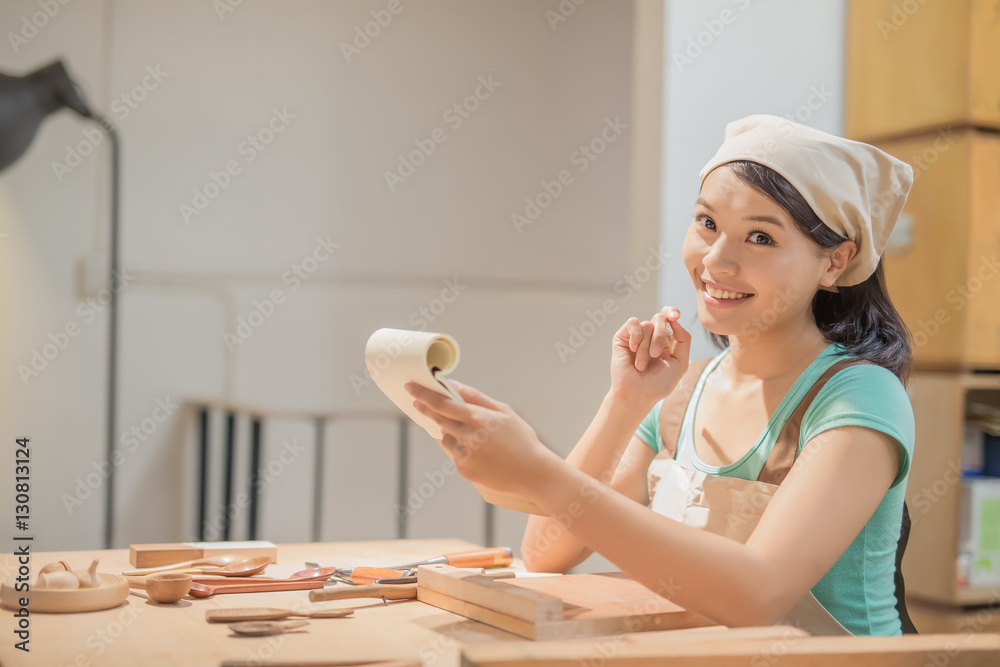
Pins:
x: 723, y: 294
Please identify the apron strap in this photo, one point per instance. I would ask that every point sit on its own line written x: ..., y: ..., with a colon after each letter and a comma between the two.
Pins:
x: 782, y: 455
x: 675, y: 405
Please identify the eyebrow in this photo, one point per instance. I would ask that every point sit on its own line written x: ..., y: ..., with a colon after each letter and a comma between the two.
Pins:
x: 752, y: 218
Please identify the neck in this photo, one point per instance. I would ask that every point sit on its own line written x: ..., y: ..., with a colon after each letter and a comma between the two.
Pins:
x: 784, y: 351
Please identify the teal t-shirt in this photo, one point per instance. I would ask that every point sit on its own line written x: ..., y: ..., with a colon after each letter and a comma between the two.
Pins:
x: 859, y: 590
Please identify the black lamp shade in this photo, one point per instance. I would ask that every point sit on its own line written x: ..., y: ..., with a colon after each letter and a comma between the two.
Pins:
x: 26, y: 101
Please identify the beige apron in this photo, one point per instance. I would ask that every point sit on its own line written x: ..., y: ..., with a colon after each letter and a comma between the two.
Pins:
x: 729, y: 506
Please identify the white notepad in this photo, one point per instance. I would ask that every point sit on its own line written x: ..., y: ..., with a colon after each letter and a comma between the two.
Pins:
x: 397, y: 356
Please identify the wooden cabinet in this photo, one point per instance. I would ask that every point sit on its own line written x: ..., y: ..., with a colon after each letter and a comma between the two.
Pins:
x: 933, y: 492
x: 943, y: 260
x: 914, y: 65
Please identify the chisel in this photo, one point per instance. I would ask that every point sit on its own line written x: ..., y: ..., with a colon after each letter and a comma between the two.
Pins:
x: 492, y: 557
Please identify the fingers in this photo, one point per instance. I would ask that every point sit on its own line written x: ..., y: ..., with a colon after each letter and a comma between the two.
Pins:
x: 662, y: 334
x: 649, y: 340
x: 447, y: 425
x: 438, y: 402
x: 632, y: 332
x: 642, y: 356
x: 475, y: 397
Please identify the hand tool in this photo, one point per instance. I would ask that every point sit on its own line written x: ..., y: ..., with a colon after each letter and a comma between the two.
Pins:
x: 269, y: 614
x: 492, y: 557
x: 265, y: 628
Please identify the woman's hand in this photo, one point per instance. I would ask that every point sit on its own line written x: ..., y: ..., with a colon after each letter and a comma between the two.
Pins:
x: 488, y: 441
x: 643, y: 369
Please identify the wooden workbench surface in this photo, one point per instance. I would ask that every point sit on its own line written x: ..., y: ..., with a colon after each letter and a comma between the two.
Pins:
x: 142, y: 633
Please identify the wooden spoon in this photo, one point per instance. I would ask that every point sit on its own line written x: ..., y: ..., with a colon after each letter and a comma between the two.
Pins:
x: 315, y: 573
x: 200, y: 590
x: 214, y: 561
x: 265, y: 628
x: 241, y: 568
x: 269, y: 614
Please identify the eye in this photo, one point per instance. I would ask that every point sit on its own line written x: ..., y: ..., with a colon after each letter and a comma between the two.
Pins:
x: 705, y: 221
x: 757, y: 237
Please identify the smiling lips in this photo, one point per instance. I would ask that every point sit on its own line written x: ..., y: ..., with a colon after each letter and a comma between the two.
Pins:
x: 724, y: 295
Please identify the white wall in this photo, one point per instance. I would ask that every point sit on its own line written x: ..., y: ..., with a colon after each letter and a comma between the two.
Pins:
x: 726, y: 59
x: 322, y: 176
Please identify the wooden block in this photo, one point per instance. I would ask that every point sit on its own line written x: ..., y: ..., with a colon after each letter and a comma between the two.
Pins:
x: 559, y: 607
x: 155, y: 555
x: 485, y: 592
x: 966, y: 650
x: 914, y: 65
x: 942, y: 261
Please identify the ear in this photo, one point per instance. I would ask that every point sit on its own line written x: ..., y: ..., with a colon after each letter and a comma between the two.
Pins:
x: 836, y: 263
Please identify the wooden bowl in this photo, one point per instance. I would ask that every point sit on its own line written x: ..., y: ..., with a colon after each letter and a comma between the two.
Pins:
x: 111, y: 593
x: 168, y: 587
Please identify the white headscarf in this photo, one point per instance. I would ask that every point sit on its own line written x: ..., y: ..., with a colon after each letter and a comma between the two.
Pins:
x: 856, y: 189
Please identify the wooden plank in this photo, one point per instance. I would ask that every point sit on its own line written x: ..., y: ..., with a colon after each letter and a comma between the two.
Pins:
x: 585, y: 605
x: 965, y: 650
x: 517, y: 626
x: 499, y: 596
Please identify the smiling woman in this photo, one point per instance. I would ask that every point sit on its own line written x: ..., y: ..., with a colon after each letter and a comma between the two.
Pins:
x: 766, y: 484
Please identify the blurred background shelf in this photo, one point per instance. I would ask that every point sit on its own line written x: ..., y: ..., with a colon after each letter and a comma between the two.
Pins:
x: 913, y: 66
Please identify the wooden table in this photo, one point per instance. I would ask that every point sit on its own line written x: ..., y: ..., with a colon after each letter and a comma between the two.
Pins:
x: 141, y: 633
x: 144, y: 633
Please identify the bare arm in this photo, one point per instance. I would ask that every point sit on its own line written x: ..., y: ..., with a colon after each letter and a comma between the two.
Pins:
x: 643, y: 370
x: 824, y: 502
x: 606, y: 454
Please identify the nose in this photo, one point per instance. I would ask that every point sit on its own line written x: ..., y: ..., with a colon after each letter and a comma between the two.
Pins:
x: 720, y: 260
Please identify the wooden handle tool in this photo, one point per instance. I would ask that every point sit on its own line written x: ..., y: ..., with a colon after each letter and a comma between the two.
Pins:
x: 368, y: 575
x: 387, y: 591
x: 269, y: 614
x: 492, y: 557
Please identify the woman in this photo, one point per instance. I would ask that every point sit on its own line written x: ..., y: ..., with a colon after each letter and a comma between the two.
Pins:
x: 784, y: 255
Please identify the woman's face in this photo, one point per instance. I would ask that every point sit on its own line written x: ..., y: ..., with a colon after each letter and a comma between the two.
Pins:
x: 752, y: 268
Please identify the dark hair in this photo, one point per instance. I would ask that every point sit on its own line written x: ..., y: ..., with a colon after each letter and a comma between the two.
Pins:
x: 860, y: 317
